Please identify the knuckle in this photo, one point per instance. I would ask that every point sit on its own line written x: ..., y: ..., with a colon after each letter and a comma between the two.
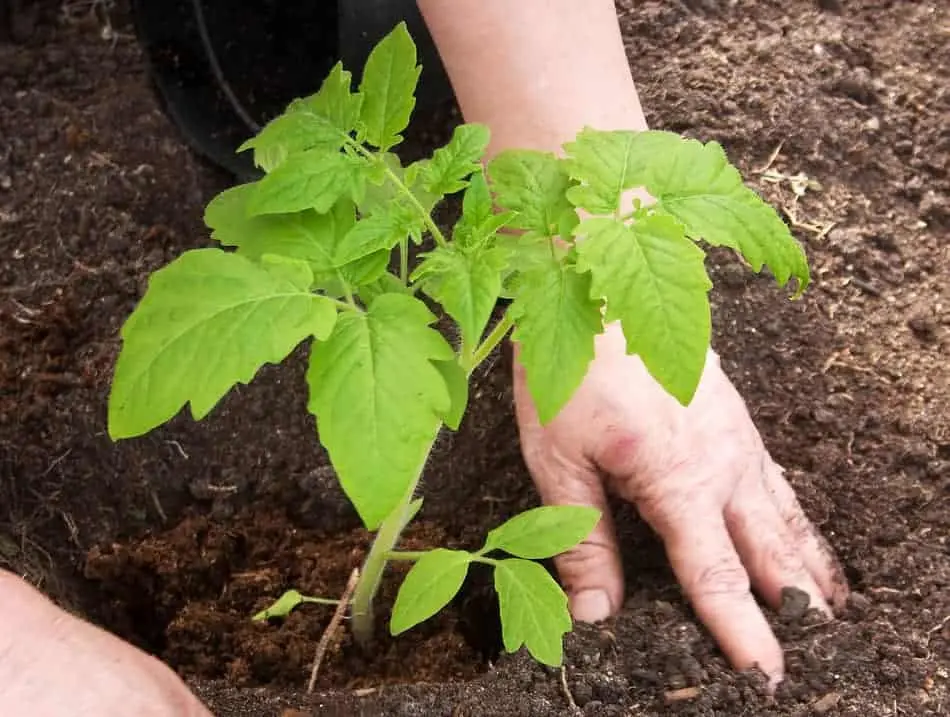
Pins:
x: 725, y: 577
x: 798, y: 523
x: 784, y: 560
x: 620, y: 451
x: 582, y: 560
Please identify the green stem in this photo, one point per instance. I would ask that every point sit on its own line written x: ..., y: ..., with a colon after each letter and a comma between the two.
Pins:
x: 347, y: 290
x: 318, y: 600
x: 344, y: 305
x: 374, y: 566
x: 404, y: 261
x: 406, y: 554
x: 494, y: 338
x: 401, y: 186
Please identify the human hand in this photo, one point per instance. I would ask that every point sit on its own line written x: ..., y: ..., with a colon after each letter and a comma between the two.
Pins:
x: 703, y: 480
x: 53, y: 664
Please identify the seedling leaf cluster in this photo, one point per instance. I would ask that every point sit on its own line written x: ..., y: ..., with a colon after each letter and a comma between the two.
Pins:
x: 317, y: 252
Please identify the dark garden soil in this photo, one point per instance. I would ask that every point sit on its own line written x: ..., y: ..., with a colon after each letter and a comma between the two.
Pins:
x: 173, y: 540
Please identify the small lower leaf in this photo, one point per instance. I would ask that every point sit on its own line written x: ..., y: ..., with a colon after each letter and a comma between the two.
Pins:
x: 287, y: 603
x: 433, y: 581
x: 543, y: 532
x: 534, y: 610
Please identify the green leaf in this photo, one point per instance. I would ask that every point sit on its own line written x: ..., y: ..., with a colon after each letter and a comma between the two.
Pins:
x: 363, y: 271
x: 532, y: 184
x: 448, y: 170
x: 534, y: 610
x: 321, y: 240
x: 479, y: 223
x: 465, y: 284
x: 379, y: 399
x: 382, y: 230
x: 556, y: 321
x: 304, y: 235
x: 543, y: 532
x: 428, y: 587
x: 477, y: 206
x: 380, y: 190
x: 288, y: 133
x: 287, y: 603
x: 227, y: 216
x: 527, y: 253
x: 209, y: 320
x: 457, y: 382
x: 654, y: 280
x: 321, y: 121
x: 696, y: 184
x: 374, y: 233
x: 609, y: 163
x: 313, y: 179
x: 388, y: 88
x: 385, y: 284
x: 692, y: 181
x: 335, y: 102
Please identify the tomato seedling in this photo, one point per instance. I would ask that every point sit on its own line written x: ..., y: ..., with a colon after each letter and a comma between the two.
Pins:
x: 305, y: 255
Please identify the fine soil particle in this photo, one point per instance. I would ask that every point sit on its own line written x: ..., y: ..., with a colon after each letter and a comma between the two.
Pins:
x: 838, y: 115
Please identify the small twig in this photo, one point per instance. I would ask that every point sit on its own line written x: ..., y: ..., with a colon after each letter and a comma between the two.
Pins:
x: 332, y: 627
x: 56, y: 461
x: 938, y: 627
x: 865, y: 286
x: 681, y: 695
x: 158, y: 507
x: 177, y: 446
x: 771, y: 159
x: 565, y: 688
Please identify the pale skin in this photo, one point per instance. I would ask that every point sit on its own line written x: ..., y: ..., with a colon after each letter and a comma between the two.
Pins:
x: 534, y: 71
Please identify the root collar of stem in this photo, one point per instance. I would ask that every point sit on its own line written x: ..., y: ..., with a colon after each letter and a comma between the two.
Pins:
x: 376, y: 560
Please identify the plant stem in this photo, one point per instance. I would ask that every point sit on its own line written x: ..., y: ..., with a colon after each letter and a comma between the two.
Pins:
x: 318, y: 600
x: 406, y: 554
x: 404, y: 261
x: 345, y: 306
x: 401, y: 186
x: 494, y: 338
x: 379, y: 555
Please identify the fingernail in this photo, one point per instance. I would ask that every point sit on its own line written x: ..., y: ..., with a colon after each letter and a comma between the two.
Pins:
x: 590, y: 606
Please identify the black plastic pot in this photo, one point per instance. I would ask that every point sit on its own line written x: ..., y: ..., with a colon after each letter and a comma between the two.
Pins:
x: 223, y: 68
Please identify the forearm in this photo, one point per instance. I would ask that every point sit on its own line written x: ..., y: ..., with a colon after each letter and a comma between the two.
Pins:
x: 536, y: 71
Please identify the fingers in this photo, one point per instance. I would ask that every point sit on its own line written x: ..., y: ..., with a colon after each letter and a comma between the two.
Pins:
x: 591, y: 573
x: 706, y: 564
x: 769, y: 550
x: 816, y: 554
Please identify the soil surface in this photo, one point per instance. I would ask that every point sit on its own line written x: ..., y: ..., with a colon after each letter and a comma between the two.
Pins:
x: 839, y: 113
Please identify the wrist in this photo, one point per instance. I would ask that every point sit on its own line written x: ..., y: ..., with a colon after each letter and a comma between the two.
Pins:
x: 534, y: 74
